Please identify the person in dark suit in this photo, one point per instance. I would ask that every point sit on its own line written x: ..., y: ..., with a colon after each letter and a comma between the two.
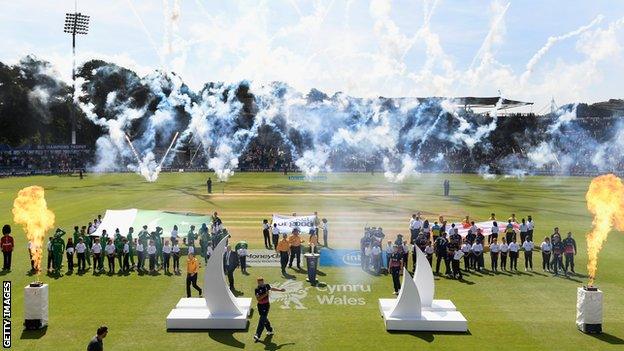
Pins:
x: 230, y: 263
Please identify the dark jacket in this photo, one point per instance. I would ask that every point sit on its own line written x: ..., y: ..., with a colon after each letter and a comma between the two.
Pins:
x: 233, y: 262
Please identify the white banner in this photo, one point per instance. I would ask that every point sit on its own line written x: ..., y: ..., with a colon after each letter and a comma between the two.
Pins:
x: 286, y: 224
x: 263, y: 258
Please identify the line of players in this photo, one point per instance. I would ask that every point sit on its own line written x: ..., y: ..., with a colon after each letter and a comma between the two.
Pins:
x: 158, y: 251
x: 450, y: 248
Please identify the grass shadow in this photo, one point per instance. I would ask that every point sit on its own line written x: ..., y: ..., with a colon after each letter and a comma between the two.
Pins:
x: 270, y: 345
x: 608, y: 338
x: 427, y: 336
x: 227, y: 338
x: 34, y: 334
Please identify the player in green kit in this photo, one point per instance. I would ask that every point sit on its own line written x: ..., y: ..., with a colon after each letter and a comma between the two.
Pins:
x: 131, y: 243
x: 58, y: 247
x: 118, y: 242
x: 103, y: 242
x: 88, y: 242
x: 204, y: 239
x: 76, y: 235
x: 190, y: 239
x: 143, y: 238
x: 159, y: 245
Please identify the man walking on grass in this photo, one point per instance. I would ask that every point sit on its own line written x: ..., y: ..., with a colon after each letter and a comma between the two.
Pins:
x: 96, y: 343
x: 262, y: 295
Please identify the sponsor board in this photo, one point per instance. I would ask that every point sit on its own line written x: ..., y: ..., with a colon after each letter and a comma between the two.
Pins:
x: 329, y: 294
x: 340, y: 257
x: 263, y: 258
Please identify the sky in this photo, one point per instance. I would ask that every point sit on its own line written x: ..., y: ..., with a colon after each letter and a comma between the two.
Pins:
x: 528, y: 50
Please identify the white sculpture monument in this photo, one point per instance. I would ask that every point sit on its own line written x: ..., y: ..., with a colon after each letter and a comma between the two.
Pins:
x: 423, y: 277
x: 407, y: 311
x: 218, y: 309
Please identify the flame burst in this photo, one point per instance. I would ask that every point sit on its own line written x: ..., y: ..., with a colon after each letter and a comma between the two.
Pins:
x: 605, y: 200
x: 31, y: 211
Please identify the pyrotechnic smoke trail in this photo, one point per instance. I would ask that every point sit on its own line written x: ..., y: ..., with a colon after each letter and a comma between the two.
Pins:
x: 605, y: 200
x: 484, y: 51
x: 167, y: 152
x: 31, y: 211
x: 147, y: 32
x: 552, y: 41
x: 133, y: 149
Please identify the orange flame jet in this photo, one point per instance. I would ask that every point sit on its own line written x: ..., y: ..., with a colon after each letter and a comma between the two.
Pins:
x: 31, y: 211
x: 605, y: 200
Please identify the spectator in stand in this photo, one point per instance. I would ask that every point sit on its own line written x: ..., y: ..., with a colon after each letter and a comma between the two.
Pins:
x: 546, y: 248
x: 528, y: 246
x: 7, y: 247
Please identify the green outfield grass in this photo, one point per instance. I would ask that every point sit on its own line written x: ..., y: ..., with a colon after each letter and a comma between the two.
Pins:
x: 504, y: 311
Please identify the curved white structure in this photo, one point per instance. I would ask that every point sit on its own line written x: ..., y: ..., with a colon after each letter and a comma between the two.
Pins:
x: 219, y: 299
x: 423, y: 277
x: 218, y: 309
x: 407, y: 304
x: 406, y: 312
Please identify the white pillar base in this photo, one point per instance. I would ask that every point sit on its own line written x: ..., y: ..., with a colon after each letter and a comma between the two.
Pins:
x: 193, y: 314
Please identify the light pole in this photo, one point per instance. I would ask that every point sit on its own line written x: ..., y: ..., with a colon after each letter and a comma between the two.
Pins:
x: 75, y: 23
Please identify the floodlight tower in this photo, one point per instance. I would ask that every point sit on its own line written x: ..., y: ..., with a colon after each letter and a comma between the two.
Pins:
x: 75, y: 23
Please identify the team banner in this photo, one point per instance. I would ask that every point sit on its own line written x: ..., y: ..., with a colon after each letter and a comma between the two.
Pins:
x: 263, y: 258
x: 286, y: 224
x: 124, y: 219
